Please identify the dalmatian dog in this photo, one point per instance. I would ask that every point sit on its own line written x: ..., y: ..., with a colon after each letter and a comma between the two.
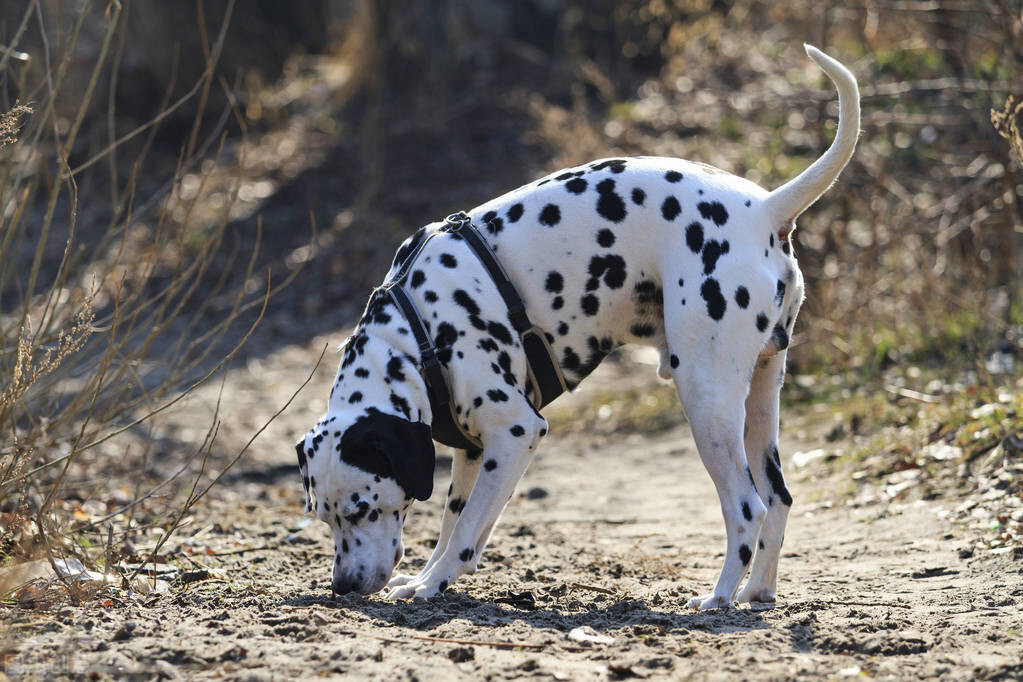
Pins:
x: 658, y: 251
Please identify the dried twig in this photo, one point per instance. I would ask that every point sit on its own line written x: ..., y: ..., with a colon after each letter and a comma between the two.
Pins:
x: 468, y: 642
x: 913, y: 395
x: 592, y: 588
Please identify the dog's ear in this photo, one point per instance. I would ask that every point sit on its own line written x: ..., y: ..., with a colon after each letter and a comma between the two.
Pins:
x: 408, y: 447
x: 390, y: 446
x: 303, y: 470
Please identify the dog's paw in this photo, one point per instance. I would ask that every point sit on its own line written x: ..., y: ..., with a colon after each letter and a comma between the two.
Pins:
x: 399, y: 580
x: 752, y: 593
x: 709, y: 602
x: 418, y: 588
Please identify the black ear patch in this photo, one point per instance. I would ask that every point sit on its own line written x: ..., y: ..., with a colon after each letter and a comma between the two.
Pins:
x: 304, y: 472
x: 390, y: 446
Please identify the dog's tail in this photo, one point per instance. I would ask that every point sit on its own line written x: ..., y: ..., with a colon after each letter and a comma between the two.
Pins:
x: 795, y: 196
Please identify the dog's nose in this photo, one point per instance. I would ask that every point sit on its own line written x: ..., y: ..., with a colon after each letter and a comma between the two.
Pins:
x: 344, y: 585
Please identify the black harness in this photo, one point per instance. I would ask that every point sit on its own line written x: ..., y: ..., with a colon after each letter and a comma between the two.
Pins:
x: 544, y: 372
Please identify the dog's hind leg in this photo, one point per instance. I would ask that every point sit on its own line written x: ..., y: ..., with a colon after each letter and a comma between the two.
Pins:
x: 765, y: 465
x: 713, y: 395
x: 465, y: 467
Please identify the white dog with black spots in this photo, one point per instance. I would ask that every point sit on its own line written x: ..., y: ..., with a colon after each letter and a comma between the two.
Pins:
x: 658, y: 251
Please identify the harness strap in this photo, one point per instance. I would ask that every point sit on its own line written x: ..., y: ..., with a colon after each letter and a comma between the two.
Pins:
x: 445, y: 427
x: 543, y: 369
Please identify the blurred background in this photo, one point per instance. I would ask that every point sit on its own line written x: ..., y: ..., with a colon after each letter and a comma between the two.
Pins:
x: 165, y: 165
x: 372, y: 118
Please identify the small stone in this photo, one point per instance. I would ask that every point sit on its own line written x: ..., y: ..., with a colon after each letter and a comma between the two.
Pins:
x: 461, y: 654
x: 536, y: 493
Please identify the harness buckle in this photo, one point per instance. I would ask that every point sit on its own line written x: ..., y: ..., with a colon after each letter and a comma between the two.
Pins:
x: 456, y: 221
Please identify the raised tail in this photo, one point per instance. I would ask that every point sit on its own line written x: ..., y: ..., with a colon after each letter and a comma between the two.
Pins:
x: 795, y: 196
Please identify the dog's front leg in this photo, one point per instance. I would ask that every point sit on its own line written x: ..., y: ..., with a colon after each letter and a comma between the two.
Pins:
x: 715, y: 408
x: 765, y: 465
x: 465, y: 467
x: 508, y: 451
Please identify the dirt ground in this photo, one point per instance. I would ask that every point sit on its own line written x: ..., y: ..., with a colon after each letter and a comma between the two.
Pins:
x: 612, y: 532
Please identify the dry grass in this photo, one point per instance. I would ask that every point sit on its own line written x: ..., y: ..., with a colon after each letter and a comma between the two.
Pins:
x: 107, y: 323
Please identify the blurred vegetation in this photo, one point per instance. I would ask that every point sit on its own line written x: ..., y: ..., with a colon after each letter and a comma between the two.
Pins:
x: 170, y: 153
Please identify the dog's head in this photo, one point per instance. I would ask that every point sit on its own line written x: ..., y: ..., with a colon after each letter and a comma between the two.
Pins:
x: 361, y: 479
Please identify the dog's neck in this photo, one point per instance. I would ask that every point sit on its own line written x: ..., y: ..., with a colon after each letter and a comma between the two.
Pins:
x: 381, y: 373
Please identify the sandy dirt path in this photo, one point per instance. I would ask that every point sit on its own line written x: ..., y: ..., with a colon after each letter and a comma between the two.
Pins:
x: 613, y: 533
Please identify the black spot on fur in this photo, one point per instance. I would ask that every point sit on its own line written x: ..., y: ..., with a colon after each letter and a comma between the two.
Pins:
x: 499, y: 332
x: 713, y: 210
x: 417, y: 278
x: 779, y: 293
x: 555, y: 282
x: 401, y: 405
x: 456, y: 505
x: 448, y: 261
x: 746, y: 512
x: 477, y: 401
x: 777, y: 481
x: 517, y: 430
x: 642, y: 329
x: 355, y: 397
x: 610, y: 205
x: 497, y: 395
x: 712, y: 250
x: 614, y: 165
x: 557, y: 302
x: 599, y: 348
x: 761, y: 322
x: 562, y: 328
x: 576, y: 186
x: 550, y: 215
x: 670, y: 208
x: 394, y: 369
x: 430, y: 296
x: 490, y: 464
x: 590, y: 304
x: 466, y: 301
x: 443, y: 586
x: 780, y: 337
x: 361, y: 372
x: 638, y: 196
x: 742, y: 297
x: 672, y: 176
x: 745, y: 554
x: 611, y: 267
x: 694, y: 237
x: 445, y: 338
x: 710, y: 290
x: 647, y: 291
x: 606, y: 238
x: 514, y: 213
x: 466, y: 554
x: 569, y: 359
x: 493, y: 223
